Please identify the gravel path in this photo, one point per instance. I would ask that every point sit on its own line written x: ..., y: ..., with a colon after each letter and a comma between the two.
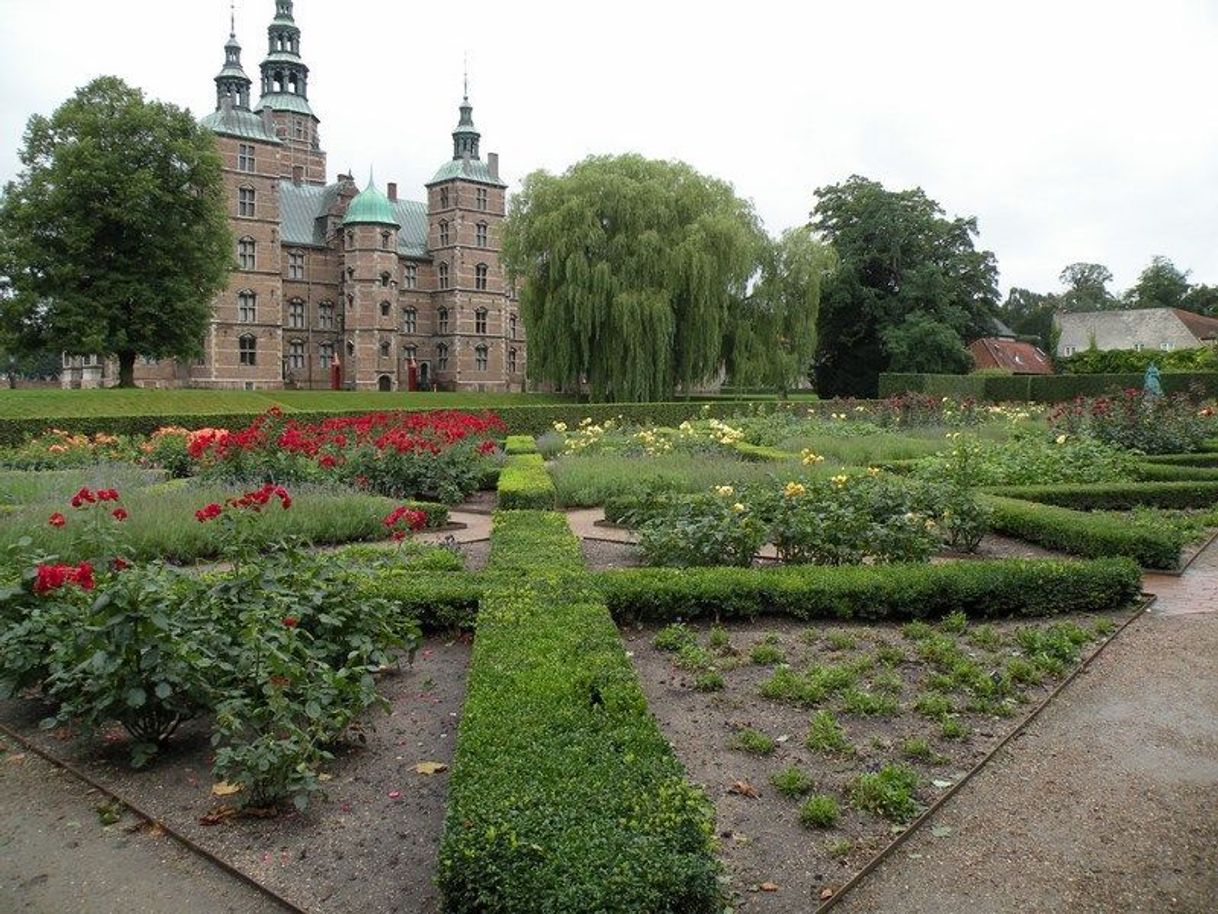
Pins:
x: 48, y: 818
x: 1108, y: 802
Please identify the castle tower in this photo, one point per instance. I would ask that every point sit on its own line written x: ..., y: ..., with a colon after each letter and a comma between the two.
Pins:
x: 477, y: 323
x: 370, y: 259
x: 244, y: 346
x: 285, y: 94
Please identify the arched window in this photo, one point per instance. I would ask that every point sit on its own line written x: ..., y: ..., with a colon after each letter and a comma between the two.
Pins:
x: 480, y: 273
x: 245, y: 202
x: 443, y: 233
x: 482, y: 234
x: 325, y: 316
x: 350, y: 244
x: 385, y: 236
x: 512, y: 326
x: 480, y: 321
x: 442, y: 357
x: 481, y: 359
x: 247, y: 349
x: 384, y: 349
x: 325, y: 355
x: 511, y: 361
x: 443, y: 275
x: 385, y: 308
x: 350, y: 348
x: 410, y: 320
x: 385, y: 279
x: 442, y: 320
x: 247, y: 254
x: 247, y: 307
x: 411, y: 353
x: 296, y: 314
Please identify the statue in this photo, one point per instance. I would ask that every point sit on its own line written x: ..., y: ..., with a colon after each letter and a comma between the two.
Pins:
x: 1150, y: 385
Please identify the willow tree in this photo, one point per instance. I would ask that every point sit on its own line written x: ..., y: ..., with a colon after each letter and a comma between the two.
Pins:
x: 630, y: 274
x: 774, y: 344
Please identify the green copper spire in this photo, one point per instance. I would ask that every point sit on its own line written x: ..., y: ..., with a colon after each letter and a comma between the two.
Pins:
x: 371, y: 207
x: 232, y: 83
x: 466, y: 136
x: 285, y: 78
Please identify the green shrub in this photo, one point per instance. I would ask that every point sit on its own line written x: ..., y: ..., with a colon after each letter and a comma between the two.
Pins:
x: 1176, y: 472
x: 524, y: 484
x: 520, y: 444
x: 869, y: 704
x: 1205, y: 459
x: 754, y: 742
x: 888, y: 792
x: 709, y: 681
x: 1039, y: 388
x: 1120, y: 496
x: 819, y: 811
x: 997, y: 589
x: 826, y: 735
x: 792, y: 782
x: 706, y: 529
x: 438, y: 602
x: 766, y: 654
x: 1088, y: 535
x: 564, y: 796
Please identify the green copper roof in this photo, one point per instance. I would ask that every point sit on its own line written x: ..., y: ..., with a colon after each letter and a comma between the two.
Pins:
x: 239, y: 123
x: 303, y: 209
x: 232, y: 71
x: 466, y: 170
x: 282, y: 57
x: 285, y: 101
x: 371, y: 207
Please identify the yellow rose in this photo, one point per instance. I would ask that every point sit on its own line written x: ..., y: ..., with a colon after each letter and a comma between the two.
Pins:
x: 793, y: 490
x: 724, y: 491
x: 738, y: 508
x: 840, y: 480
x: 1061, y: 439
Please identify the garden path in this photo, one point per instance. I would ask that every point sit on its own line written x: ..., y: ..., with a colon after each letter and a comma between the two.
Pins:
x: 1107, y: 802
x: 477, y: 528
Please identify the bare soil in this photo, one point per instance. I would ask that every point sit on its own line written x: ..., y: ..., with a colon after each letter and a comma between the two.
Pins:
x: 762, y: 841
x: 375, y: 835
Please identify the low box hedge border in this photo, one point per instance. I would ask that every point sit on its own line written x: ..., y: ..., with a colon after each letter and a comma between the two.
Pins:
x: 439, y: 602
x: 525, y: 484
x: 1083, y: 534
x: 1176, y: 472
x: 1199, y: 459
x: 520, y: 444
x: 1039, y: 388
x: 1116, y: 496
x: 980, y: 589
x: 564, y: 795
x: 760, y: 453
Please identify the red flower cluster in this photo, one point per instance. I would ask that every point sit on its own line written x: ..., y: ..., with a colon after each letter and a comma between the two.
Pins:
x: 291, y: 622
x: 119, y: 514
x: 208, y: 512
x: 57, y: 520
x: 412, y: 520
x: 52, y: 577
x: 259, y: 498
x: 82, y: 498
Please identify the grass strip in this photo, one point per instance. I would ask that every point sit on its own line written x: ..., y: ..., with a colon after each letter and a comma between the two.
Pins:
x: 524, y: 484
x: 1002, y: 588
x: 564, y: 795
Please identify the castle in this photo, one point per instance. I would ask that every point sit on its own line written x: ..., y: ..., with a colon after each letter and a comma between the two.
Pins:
x: 337, y: 287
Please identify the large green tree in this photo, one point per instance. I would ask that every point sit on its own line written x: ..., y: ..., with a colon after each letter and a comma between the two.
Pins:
x: 1087, y: 288
x: 898, y: 255
x: 116, y: 227
x: 1031, y: 314
x: 631, y: 272
x: 774, y: 342
x: 1161, y: 285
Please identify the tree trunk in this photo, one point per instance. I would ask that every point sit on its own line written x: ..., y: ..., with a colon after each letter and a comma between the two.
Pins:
x: 126, y: 369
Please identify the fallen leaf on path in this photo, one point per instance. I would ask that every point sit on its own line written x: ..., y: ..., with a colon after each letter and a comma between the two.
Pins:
x: 941, y: 831
x: 744, y: 789
x: 218, y: 815
x: 826, y: 894
x: 769, y: 887
x: 224, y: 789
x: 430, y: 768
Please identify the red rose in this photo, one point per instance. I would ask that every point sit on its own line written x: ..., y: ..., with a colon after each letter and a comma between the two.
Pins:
x: 84, y: 495
x: 208, y: 512
x: 119, y: 514
x: 291, y: 622
x: 83, y: 575
x: 120, y: 563
x: 57, y: 520
x: 107, y: 494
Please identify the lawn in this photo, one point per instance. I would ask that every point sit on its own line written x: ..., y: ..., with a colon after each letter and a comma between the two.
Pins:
x: 54, y: 404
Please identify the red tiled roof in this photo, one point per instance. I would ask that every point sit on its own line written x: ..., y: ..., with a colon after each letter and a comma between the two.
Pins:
x: 1011, y: 355
x: 1200, y: 326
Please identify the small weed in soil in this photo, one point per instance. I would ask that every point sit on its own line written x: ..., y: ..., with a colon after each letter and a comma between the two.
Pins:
x: 1103, y: 627
x: 889, y: 655
x: 791, y: 781
x: 888, y: 681
x: 934, y: 704
x: 841, y: 641
x: 819, y: 811
x: 695, y: 658
x: 839, y: 848
x: 985, y: 636
x: 719, y: 639
x: 954, y: 729
x: 956, y: 623
x: 916, y: 631
x: 766, y: 654
x: 887, y: 792
x: 709, y: 681
x: 673, y: 638
x: 810, y: 687
x: 826, y: 735
x: 869, y: 704
x: 920, y: 751
x: 754, y: 741
x: 809, y: 636
x: 1024, y: 672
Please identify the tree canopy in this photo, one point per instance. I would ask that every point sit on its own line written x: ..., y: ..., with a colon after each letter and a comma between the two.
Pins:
x: 1161, y: 285
x: 630, y: 273
x: 898, y: 255
x: 1086, y: 288
x: 115, y: 232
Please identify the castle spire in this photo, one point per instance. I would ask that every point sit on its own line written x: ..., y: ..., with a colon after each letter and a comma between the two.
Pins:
x: 231, y: 83
x: 285, y: 78
x: 466, y: 136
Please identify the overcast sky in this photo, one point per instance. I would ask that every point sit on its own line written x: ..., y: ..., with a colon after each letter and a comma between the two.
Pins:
x: 1072, y: 130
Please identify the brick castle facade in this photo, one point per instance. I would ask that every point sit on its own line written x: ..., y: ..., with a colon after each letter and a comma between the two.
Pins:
x: 333, y: 285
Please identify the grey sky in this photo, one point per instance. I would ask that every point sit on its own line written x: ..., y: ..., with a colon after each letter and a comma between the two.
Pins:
x: 1073, y: 130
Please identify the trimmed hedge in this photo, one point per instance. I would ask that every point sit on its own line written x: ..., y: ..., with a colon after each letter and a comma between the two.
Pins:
x: 1202, y: 459
x: 1083, y: 534
x: 524, y: 483
x: 520, y: 444
x: 1011, y: 587
x: 760, y: 453
x: 1038, y: 388
x: 565, y: 797
x: 438, y: 602
x: 1119, y: 496
x: 1176, y: 472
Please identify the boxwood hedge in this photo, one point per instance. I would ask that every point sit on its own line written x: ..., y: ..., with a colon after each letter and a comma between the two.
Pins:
x: 565, y: 798
x: 1009, y: 587
x: 1200, y: 459
x: 1109, y: 496
x: 1176, y: 472
x: 437, y: 601
x: 524, y: 483
x: 521, y: 444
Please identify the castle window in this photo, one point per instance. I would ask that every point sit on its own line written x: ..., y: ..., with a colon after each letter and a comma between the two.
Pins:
x: 385, y: 278
x: 247, y: 254
x: 298, y: 124
x: 411, y: 354
x: 410, y: 276
x: 443, y: 275
x: 385, y: 309
x: 296, y: 355
x: 296, y: 314
x: 410, y: 320
x: 325, y: 355
x: 245, y: 158
x: 481, y: 197
x: 512, y: 326
x: 443, y: 198
x: 245, y: 201
x: 480, y: 321
x: 511, y: 361
x: 442, y: 320
x: 325, y: 315
x: 350, y: 244
x: 442, y: 357
x: 443, y: 234
x: 384, y: 349
x: 247, y: 348
x: 481, y: 234
x: 481, y: 358
x: 480, y: 274
x: 385, y: 236
x: 247, y: 307
x: 350, y: 348
x: 296, y: 265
